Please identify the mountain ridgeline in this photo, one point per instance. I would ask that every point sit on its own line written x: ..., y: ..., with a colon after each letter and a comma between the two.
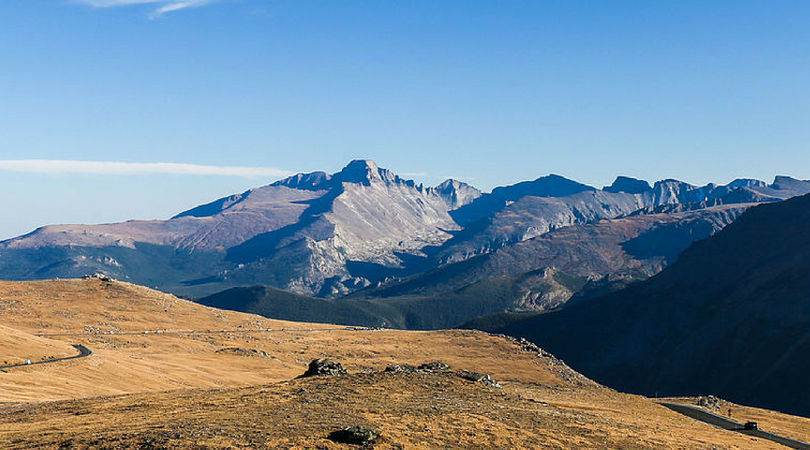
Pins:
x: 405, y: 254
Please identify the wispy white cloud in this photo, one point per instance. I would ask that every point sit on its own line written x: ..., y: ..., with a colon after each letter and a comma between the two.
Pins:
x: 163, y: 6
x: 55, y: 166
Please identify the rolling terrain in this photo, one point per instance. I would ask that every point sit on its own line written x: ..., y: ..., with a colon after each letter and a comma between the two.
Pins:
x: 730, y: 317
x: 169, y: 373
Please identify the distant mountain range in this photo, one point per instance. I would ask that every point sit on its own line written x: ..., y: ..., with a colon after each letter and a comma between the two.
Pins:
x: 731, y: 317
x: 664, y: 288
x: 370, y: 234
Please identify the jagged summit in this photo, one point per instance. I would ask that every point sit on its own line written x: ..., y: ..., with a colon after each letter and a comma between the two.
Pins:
x: 363, y: 171
x: 359, y: 171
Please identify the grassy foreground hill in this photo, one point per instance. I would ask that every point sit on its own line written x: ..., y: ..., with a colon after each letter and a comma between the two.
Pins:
x: 171, y: 374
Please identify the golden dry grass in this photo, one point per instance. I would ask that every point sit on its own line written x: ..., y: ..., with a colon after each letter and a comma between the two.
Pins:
x: 183, y: 348
x: 186, y: 386
x: 413, y: 411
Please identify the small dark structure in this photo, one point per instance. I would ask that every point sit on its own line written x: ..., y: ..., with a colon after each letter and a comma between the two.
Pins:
x: 751, y: 426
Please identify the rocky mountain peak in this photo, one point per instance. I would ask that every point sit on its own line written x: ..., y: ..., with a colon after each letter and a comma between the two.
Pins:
x: 747, y: 183
x: 364, y: 171
x: 628, y: 185
x: 552, y: 185
x: 457, y: 193
x: 359, y: 171
x: 786, y: 182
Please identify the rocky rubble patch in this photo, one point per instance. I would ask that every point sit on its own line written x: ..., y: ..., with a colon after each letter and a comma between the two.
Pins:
x: 440, y: 367
x: 405, y: 368
x: 100, y: 277
x: 429, y: 367
x: 248, y: 352
x: 562, y: 370
x: 434, y: 367
x: 709, y: 402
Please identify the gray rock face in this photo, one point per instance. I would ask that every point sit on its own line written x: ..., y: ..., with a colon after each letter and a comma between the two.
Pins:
x: 457, y: 193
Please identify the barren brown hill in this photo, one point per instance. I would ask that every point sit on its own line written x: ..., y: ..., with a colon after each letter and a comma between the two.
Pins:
x: 168, y: 373
x: 144, y: 340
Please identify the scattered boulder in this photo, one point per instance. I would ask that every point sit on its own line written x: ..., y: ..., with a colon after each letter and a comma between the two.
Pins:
x: 709, y: 402
x: 434, y: 367
x: 99, y: 276
x: 323, y: 366
x: 248, y: 352
x: 354, y: 435
x: 404, y: 368
x: 479, y: 378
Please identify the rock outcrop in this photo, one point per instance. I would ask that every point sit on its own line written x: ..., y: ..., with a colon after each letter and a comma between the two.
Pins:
x: 355, y: 435
x: 323, y: 367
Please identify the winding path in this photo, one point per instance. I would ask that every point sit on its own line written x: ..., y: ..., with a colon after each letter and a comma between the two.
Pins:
x: 725, y: 423
x: 83, y: 353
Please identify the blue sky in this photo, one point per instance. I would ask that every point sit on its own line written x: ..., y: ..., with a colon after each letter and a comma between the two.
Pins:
x: 490, y: 92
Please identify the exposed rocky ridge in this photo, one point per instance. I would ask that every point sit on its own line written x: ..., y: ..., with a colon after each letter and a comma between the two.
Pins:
x: 640, y: 244
x: 729, y: 317
x: 523, y: 211
x: 329, y: 235
x: 310, y: 223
